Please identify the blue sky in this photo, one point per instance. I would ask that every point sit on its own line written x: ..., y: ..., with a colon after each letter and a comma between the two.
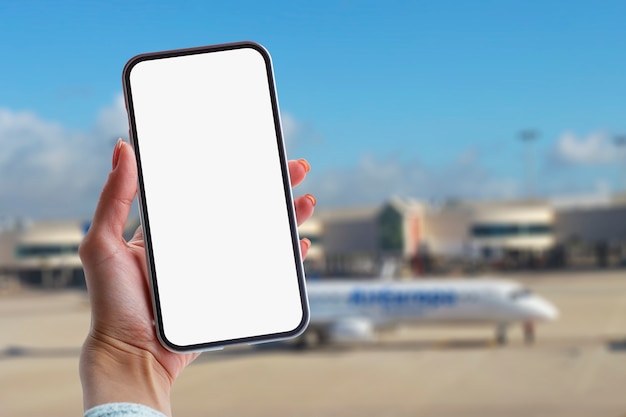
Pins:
x: 418, y: 99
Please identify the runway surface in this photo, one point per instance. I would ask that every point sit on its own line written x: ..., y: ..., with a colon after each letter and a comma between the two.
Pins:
x: 577, y: 366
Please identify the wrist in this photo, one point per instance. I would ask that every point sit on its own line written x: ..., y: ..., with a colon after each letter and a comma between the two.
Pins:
x: 112, y: 371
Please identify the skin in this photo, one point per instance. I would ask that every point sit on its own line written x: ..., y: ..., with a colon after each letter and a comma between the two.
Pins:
x: 121, y: 359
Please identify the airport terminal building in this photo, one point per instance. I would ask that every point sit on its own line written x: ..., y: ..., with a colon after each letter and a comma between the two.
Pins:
x: 420, y: 238
x: 44, y: 252
x: 400, y: 237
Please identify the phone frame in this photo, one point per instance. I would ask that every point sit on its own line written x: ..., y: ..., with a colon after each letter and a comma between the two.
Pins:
x: 143, y: 207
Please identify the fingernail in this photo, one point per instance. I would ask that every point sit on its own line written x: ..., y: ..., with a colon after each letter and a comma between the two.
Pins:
x: 305, y: 164
x: 311, y: 198
x: 307, y: 242
x: 116, y: 153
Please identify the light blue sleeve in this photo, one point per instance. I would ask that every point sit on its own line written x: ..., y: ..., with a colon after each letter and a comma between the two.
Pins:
x: 122, y: 410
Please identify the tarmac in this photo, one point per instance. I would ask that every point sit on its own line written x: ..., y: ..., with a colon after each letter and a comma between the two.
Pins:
x: 576, y: 368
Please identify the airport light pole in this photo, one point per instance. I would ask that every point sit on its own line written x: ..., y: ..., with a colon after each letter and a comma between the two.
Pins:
x: 620, y: 143
x: 528, y: 137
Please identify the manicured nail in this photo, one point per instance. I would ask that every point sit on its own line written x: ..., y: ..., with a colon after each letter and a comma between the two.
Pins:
x: 311, y: 198
x: 116, y: 152
x: 305, y: 164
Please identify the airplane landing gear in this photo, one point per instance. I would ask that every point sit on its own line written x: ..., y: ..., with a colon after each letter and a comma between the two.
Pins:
x: 501, y: 334
x: 529, y: 332
x: 311, y: 338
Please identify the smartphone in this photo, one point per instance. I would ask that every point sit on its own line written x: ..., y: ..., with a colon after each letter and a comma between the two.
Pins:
x: 214, y: 195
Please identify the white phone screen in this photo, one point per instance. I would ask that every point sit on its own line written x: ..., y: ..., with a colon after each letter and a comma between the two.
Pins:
x: 215, y: 199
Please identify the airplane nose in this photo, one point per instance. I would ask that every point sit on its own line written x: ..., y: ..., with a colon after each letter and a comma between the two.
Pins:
x: 544, y: 310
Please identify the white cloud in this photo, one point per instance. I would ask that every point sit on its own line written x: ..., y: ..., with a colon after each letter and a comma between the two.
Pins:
x: 595, y: 149
x: 49, y: 171
x: 296, y: 133
x: 290, y: 127
x: 112, y: 121
x: 376, y: 179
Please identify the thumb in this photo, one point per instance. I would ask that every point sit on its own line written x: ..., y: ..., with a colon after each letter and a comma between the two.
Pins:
x: 117, y: 195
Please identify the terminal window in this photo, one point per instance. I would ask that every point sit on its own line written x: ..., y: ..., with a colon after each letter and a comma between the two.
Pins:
x: 45, y: 250
x: 510, y: 230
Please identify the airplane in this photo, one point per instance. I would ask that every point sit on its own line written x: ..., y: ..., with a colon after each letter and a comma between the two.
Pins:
x: 353, y: 310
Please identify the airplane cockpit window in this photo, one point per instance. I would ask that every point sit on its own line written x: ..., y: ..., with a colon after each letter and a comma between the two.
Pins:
x: 520, y: 293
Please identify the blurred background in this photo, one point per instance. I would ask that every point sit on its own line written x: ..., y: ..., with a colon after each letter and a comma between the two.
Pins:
x: 450, y: 142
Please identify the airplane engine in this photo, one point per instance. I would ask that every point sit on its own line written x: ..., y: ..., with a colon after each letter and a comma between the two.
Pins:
x: 351, y: 330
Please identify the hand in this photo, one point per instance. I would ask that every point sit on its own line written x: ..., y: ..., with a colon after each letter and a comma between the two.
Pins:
x: 121, y: 359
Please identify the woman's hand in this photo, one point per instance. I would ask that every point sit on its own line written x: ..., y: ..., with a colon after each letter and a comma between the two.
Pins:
x: 121, y: 359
